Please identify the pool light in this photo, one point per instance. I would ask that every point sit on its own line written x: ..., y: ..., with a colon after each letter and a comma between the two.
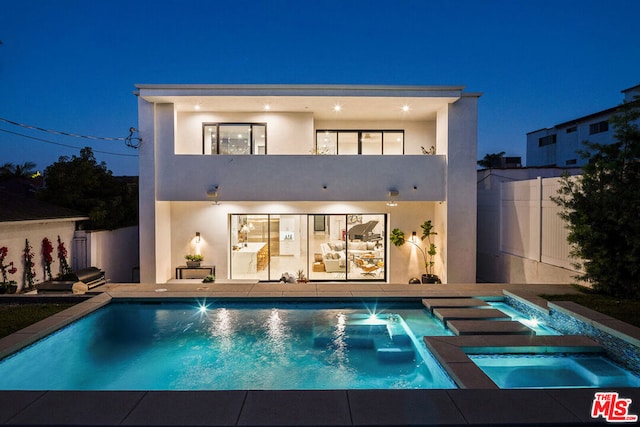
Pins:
x: 202, y: 308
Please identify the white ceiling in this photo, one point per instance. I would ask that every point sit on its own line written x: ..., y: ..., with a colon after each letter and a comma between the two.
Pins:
x: 353, y: 107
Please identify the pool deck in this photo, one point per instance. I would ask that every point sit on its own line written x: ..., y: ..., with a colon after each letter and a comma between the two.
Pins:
x: 477, y: 403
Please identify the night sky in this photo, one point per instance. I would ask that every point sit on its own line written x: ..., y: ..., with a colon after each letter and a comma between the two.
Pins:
x: 71, y: 65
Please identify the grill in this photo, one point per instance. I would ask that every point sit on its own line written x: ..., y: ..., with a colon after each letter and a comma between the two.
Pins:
x: 78, y: 282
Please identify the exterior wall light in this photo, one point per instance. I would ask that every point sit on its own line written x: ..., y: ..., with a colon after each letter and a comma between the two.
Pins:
x: 393, y: 194
x: 197, y: 237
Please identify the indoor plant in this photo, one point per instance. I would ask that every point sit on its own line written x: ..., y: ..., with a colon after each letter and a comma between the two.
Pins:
x: 193, y: 260
x: 397, y: 237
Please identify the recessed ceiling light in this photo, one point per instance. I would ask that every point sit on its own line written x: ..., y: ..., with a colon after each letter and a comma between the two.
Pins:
x: 405, y: 108
x: 337, y: 108
x: 267, y: 107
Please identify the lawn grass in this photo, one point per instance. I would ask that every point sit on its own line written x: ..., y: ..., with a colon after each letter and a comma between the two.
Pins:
x: 14, y: 317
x: 621, y: 309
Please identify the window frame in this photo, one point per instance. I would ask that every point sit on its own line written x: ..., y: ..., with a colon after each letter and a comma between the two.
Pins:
x: 599, y: 127
x: 251, y: 125
x: 360, y: 133
x: 544, y: 140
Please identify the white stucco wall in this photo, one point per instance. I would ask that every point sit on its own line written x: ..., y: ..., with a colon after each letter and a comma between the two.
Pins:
x: 14, y: 235
x: 459, y: 139
x: 147, y: 190
x: 211, y: 221
x: 116, y: 252
x: 287, y: 133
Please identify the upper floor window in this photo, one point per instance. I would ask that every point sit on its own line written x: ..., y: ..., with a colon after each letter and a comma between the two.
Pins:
x: 235, y: 138
x: 375, y: 142
x: 599, y: 127
x: 572, y: 129
x: 547, y: 140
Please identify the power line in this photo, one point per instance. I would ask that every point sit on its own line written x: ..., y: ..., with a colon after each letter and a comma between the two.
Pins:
x: 128, y: 140
x: 56, y: 132
x: 66, y: 145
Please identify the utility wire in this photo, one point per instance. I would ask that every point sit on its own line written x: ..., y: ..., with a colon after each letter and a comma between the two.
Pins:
x: 128, y: 139
x: 66, y: 145
x: 59, y: 132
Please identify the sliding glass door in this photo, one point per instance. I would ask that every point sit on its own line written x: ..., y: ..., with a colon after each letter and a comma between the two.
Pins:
x: 334, y: 247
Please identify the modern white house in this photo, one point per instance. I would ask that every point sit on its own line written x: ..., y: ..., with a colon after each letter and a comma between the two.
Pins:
x: 266, y: 179
x: 559, y: 145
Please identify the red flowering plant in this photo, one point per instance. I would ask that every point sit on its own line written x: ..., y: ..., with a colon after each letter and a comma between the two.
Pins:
x: 29, y: 272
x: 65, y: 270
x: 47, y: 250
x: 6, y: 285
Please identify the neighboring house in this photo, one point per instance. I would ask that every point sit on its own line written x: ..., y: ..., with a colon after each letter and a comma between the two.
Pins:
x: 267, y: 179
x: 24, y: 217
x: 559, y: 145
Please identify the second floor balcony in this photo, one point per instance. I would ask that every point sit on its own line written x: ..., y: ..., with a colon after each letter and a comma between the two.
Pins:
x: 300, y: 177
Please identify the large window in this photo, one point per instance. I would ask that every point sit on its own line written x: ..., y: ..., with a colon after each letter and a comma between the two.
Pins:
x: 359, y: 142
x: 547, y: 140
x: 599, y: 127
x: 325, y: 247
x: 234, y: 138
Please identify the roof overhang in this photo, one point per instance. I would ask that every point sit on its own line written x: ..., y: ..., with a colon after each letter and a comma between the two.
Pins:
x: 356, y: 102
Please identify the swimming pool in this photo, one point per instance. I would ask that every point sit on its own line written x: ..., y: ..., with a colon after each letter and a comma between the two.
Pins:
x: 538, y: 325
x: 218, y: 345
x: 554, y: 371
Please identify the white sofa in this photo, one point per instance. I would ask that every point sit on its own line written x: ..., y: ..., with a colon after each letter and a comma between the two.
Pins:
x: 334, y: 257
x: 334, y: 254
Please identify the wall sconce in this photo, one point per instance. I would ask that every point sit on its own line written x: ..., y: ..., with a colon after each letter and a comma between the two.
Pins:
x: 197, y: 237
x: 393, y: 194
x: 212, y: 193
x: 414, y: 237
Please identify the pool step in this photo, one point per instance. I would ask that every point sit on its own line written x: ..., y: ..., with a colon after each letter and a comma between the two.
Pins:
x: 599, y: 371
x: 391, y: 344
x: 433, y: 303
x: 446, y: 314
x: 488, y: 327
x: 395, y: 354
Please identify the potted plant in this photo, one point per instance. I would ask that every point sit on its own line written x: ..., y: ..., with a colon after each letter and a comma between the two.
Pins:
x: 193, y: 261
x: 397, y: 237
x: 209, y: 279
x: 300, y: 276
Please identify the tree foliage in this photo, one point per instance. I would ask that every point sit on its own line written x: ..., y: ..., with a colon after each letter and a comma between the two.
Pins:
x: 83, y: 184
x: 12, y: 170
x: 601, y: 209
x: 491, y: 160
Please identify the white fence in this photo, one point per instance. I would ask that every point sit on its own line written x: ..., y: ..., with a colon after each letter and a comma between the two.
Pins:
x: 521, y: 237
x: 531, y: 225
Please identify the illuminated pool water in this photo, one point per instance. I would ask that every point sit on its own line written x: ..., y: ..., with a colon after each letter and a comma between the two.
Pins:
x: 554, y: 371
x: 245, y: 346
x: 538, y: 325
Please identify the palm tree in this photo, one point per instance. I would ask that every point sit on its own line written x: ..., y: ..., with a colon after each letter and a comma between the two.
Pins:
x: 11, y: 170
